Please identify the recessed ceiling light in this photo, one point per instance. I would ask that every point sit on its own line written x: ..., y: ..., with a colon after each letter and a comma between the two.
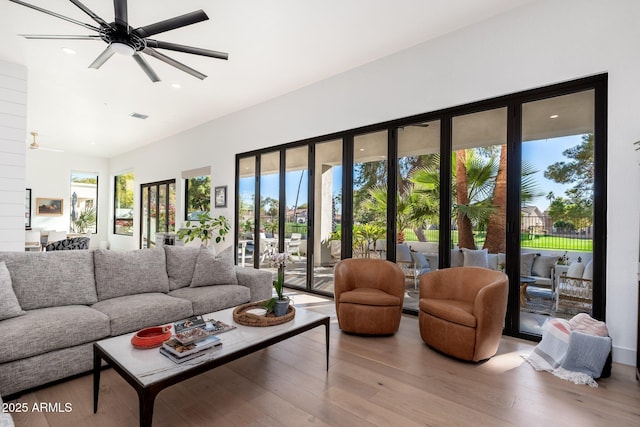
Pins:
x: 553, y: 116
x: 68, y: 51
x: 362, y: 149
x: 176, y: 85
x: 139, y: 116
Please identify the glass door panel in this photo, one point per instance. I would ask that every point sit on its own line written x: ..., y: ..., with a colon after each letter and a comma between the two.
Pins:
x: 246, y: 208
x: 479, y: 187
x: 556, y: 227
x: 296, y: 216
x: 269, y: 207
x: 370, y: 170
x: 418, y: 203
x: 158, y: 211
x: 327, y: 213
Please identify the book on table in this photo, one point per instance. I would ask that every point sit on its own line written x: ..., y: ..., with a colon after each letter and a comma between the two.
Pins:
x: 188, y: 324
x: 179, y: 350
x: 214, y: 327
x: 192, y: 356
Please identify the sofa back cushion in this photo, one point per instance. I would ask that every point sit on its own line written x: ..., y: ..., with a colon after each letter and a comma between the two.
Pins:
x: 542, y: 265
x: 51, y: 279
x: 181, y: 261
x: 129, y: 273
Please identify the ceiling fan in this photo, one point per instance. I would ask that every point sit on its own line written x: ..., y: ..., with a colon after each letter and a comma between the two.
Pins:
x: 35, y: 146
x: 123, y: 39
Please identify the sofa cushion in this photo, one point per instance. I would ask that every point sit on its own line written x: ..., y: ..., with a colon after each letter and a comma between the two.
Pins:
x: 9, y: 305
x: 588, y: 271
x: 575, y: 270
x: 207, y: 299
x: 457, y: 258
x: 49, y: 279
x: 475, y: 258
x: 211, y: 270
x: 526, y: 262
x: 543, y: 264
x: 134, y: 312
x: 47, y: 329
x: 181, y: 262
x: 128, y: 273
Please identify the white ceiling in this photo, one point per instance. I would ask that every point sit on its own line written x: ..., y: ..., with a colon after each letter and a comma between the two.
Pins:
x: 274, y: 46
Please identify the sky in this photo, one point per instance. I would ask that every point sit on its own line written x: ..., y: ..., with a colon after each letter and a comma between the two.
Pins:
x: 540, y: 154
x: 543, y: 153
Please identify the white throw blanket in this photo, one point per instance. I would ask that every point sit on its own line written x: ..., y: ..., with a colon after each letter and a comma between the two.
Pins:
x: 573, y: 354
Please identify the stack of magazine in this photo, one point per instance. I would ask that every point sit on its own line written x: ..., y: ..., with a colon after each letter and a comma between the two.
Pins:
x: 194, y: 337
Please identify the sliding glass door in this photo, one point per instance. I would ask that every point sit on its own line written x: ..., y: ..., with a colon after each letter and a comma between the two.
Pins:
x: 158, y: 211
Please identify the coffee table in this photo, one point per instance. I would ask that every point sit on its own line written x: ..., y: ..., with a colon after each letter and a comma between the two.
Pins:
x: 149, y: 372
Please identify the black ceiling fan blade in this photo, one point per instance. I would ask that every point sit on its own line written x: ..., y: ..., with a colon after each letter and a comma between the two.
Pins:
x: 146, y: 67
x: 88, y: 11
x: 102, y: 58
x: 59, y: 37
x: 57, y: 15
x: 173, y: 62
x: 187, y: 49
x: 171, y: 24
x: 121, y: 14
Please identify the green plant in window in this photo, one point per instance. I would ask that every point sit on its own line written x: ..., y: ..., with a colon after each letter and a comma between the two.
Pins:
x: 205, y: 228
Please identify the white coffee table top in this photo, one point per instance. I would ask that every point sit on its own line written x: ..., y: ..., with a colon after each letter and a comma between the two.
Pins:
x: 149, y: 366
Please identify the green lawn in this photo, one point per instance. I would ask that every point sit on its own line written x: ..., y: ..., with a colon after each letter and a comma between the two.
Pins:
x: 526, y: 241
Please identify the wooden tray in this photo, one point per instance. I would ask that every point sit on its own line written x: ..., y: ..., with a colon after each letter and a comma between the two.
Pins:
x: 241, y: 316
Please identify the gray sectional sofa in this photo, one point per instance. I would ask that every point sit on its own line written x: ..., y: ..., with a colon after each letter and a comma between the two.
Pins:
x: 66, y: 300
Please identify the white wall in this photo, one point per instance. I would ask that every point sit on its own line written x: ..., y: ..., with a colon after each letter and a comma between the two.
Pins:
x: 48, y: 174
x: 540, y: 44
x: 13, y: 124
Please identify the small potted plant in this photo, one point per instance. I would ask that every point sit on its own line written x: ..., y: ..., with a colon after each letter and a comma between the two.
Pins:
x: 204, y: 229
x: 279, y: 304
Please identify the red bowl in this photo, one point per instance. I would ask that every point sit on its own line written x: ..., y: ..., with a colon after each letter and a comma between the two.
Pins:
x: 151, y: 337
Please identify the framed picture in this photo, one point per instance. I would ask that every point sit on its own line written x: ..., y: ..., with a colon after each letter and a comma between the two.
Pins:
x: 221, y: 197
x: 49, y: 207
x: 27, y: 209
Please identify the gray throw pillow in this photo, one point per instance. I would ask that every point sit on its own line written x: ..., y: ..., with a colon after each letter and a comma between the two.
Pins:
x: 213, y: 271
x: 420, y: 260
x: 9, y: 306
x: 543, y: 264
x: 475, y: 258
x: 526, y: 262
x: 181, y: 263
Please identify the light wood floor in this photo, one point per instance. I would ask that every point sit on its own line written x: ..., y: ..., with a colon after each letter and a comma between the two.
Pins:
x: 390, y: 381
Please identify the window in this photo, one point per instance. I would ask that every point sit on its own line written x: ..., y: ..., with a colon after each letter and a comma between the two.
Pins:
x: 123, y: 204
x: 83, y: 216
x: 197, y: 196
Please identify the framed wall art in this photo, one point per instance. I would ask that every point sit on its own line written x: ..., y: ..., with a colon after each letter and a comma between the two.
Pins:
x: 49, y: 207
x: 220, y: 195
x: 27, y: 209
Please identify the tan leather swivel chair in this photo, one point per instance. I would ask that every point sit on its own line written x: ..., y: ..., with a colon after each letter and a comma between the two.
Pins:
x: 462, y: 311
x: 369, y: 294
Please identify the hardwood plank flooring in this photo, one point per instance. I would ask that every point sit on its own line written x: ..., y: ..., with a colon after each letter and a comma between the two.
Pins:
x: 382, y: 381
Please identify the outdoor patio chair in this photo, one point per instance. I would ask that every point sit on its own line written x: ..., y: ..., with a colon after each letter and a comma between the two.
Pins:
x: 575, y: 287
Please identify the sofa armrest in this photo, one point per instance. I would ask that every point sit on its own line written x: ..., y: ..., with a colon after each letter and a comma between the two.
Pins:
x: 259, y: 282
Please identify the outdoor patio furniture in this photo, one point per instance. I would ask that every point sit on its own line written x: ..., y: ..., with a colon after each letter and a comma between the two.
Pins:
x: 576, y: 285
